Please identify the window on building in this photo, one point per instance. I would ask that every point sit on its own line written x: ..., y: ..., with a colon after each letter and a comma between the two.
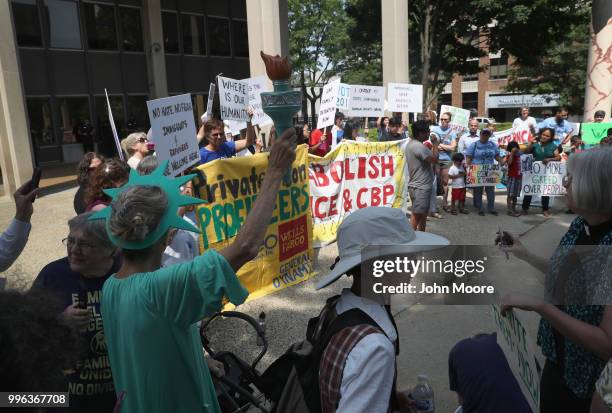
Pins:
x: 137, y: 114
x: 41, y: 126
x: 193, y: 34
x: 241, y: 38
x: 27, y: 24
x: 219, y: 35
x: 131, y: 29
x: 63, y: 24
x: 470, y: 100
x: 75, y: 124
x: 104, y: 133
x: 170, y: 28
x: 473, y: 66
x: 498, y: 67
x: 100, y: 23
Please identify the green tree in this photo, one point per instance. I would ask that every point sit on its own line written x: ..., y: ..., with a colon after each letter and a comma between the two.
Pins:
x: 319, y: 37
x: 447, y: 36
x: 561, y: 68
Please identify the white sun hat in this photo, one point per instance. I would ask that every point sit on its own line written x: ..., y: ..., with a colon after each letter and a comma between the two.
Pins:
x: 377, y: 226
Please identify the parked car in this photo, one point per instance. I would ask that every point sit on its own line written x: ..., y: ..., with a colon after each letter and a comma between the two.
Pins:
x: 482, y: 121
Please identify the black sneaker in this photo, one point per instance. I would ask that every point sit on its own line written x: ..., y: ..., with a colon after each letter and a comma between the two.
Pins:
x: 481, y: 213
x: 493, y: 213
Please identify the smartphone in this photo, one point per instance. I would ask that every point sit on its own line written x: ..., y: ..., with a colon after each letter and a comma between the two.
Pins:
x: 82, y: 303
x: 35, y: 181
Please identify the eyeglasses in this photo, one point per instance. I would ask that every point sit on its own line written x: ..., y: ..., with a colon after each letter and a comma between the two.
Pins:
x: 566, y: 181
x: 143, y: 140
x: 444, y: 119
x: 214, y: 135
x: 71, y: 243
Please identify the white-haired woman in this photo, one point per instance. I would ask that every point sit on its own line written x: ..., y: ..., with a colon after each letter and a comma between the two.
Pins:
x: 150, y: 313
x: 76, y: 281
x: 576, y: 334
x: 135, y: 146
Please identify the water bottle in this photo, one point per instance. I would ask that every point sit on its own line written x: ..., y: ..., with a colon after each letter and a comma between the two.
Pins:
x: 262, y: 325
x: 423, y: 395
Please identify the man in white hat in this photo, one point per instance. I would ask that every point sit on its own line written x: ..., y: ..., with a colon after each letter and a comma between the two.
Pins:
x: 357, y: 369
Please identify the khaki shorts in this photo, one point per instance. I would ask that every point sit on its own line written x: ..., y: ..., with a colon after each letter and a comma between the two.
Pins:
x: 421, y: 199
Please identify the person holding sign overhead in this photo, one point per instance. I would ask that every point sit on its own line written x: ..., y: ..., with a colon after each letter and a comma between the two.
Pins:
x: 544, y: 151
x: 216, y: 146
x: 484, y: 152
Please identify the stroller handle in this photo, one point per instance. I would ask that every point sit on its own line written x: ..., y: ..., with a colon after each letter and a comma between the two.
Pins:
x: 244, y: 317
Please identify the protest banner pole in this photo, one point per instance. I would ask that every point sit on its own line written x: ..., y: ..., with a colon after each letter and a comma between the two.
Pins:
x: 113, y: 128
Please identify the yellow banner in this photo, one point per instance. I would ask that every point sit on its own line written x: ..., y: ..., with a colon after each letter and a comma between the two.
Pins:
x: 355, y: 175
x: 230, y: 187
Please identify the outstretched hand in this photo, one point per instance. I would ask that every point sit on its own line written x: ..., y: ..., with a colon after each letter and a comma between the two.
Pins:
x: 23, y: 202
x: 282, y: 152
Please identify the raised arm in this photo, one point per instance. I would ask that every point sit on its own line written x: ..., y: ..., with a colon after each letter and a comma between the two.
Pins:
x: 250, y: 237
x: 250, y: 134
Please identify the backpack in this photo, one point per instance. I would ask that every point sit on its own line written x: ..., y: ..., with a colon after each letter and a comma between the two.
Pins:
x: 292, y: 381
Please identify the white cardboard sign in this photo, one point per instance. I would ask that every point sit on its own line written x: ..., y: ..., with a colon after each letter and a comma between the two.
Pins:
x: 256, y: 86
x: 405, y: 97
x: 327, y: 108
x: 173, y: 127
x: 343, y: 99
x: 367, y: 101
x: 233, y: 98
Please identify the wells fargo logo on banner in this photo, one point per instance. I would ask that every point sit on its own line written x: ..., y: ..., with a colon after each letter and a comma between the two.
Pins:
x: 354, y: 175
x: 230, y: 187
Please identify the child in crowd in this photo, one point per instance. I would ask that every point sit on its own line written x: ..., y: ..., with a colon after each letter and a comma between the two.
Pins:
x: 457, y: 174
x: 515, y: 179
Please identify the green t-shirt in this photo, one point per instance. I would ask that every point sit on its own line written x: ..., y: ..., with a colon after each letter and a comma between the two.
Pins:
x: 541, y: 152
x: 153, y: 343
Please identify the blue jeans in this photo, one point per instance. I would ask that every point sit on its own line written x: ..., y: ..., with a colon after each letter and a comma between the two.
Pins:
x: 490, y: 197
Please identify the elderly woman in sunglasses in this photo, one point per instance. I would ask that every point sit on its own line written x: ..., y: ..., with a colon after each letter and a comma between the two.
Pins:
x: 136, y: 147
x: 216, y: 147
x: 76, y: 281
x: 575, y: 332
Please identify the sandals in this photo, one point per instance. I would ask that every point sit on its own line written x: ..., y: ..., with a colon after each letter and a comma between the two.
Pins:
x: 514, y: 214
x: 454, y: 211
x: 446, y: 208
x: 464, y: 211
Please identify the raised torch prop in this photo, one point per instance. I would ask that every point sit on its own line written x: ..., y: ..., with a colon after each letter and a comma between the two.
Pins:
x: 282, y: 104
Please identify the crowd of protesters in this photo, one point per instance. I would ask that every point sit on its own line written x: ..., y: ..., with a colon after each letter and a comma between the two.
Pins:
x: 129, y: 291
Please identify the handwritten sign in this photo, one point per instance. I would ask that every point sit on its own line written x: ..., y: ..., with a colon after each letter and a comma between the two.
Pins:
x: 518, y: 348
x: 173, y: 126
x: 327, y: 108
x: 593, y: 133
x: 459, y: 117
x: 545, y: 180
x: 343, y: 99
x: 405, y: 97
x: 256, y: 86
x: 367, y: 101
x: 482, y: 175
x: 233, y: 98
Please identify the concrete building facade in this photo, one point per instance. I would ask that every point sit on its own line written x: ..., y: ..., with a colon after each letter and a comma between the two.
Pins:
x: 58, y: 56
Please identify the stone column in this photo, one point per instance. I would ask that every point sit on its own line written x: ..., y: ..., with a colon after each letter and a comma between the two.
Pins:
x: 394, y: 41
x: 154, y: 48
x: 598, y: 94
x: 16, y: 160
x: 457, y: 92
x: 268, y: 30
